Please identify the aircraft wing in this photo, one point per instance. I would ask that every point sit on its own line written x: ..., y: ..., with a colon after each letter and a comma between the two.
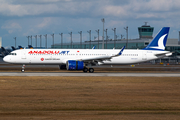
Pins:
x: 99, y: 58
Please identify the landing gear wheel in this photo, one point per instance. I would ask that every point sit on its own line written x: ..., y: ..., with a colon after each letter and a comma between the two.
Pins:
x: 91, y: 70
x: 23, y: 68
x: 85, y: 69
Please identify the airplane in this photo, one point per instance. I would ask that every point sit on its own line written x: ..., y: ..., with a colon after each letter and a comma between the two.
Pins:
x: 30, y: 46
x: 13, y: 48
x: 20, y: 47
x: 4, y: 51
x: 85, y: 59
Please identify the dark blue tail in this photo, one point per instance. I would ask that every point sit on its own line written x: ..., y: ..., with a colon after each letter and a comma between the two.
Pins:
x: 13, y: 48
x: 20, y: 47
x: 30, y: 46
x: 159, y: 42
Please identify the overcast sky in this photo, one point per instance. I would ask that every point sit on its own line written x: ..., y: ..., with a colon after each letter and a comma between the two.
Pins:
x: 21, y: 18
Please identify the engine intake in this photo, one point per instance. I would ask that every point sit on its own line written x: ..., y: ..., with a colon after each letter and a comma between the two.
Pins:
x: 74, y: 65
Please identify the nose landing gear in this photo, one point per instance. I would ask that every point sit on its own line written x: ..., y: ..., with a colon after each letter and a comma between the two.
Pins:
x: 23, y: 68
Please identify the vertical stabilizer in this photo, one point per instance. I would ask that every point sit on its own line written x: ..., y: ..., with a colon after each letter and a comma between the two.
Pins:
x: 159, y: 42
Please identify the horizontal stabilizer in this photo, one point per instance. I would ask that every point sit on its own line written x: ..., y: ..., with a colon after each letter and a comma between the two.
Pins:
x: 164, y: 54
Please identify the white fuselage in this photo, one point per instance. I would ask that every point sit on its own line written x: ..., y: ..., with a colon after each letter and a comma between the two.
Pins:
x: 61, y: 56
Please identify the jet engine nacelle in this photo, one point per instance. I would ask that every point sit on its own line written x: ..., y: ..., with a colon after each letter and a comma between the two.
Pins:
x: 74, y: 65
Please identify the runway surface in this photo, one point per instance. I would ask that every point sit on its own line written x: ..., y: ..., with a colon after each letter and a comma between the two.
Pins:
x: 90, y: 74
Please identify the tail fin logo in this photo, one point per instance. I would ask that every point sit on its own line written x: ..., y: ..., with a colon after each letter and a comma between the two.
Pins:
x: 160, y: 43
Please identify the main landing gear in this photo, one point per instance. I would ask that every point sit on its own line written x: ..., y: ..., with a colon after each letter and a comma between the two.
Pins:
x: 85, y: 69
x: 23, y: 68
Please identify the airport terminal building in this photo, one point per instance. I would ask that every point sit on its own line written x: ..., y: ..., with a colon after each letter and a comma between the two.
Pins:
x: 145, y: 37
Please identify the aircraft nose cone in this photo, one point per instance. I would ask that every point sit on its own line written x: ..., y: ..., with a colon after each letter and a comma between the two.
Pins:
x: 5, y: 59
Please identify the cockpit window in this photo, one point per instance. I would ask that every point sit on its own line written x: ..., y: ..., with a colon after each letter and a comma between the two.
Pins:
x: 12, y: 54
